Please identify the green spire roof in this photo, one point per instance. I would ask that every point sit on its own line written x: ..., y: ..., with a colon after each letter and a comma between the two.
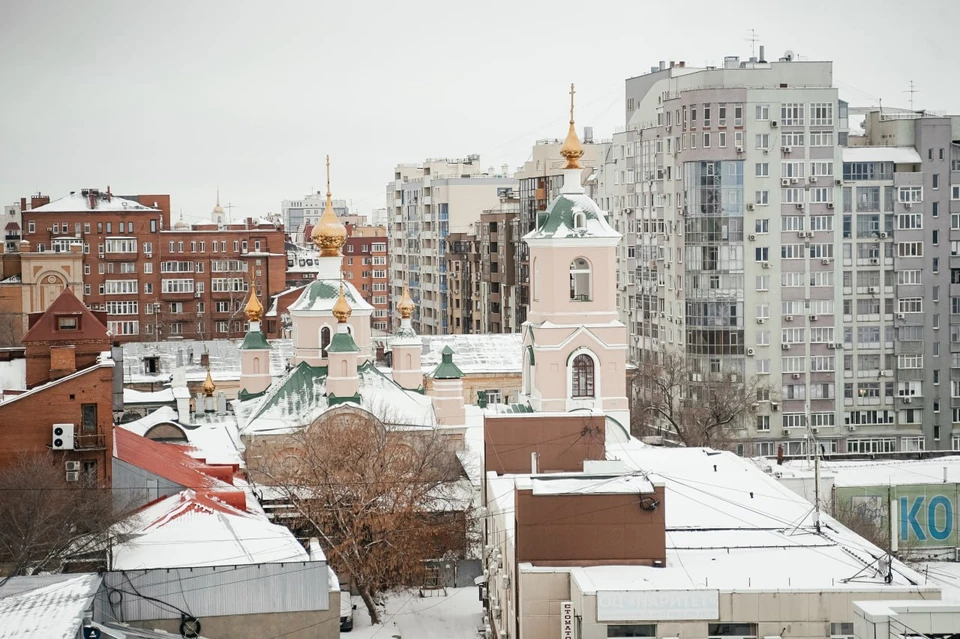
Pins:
x: 343, y: 343
x: 255, y: 341
x: 572, y: 215
x: 447, y: 369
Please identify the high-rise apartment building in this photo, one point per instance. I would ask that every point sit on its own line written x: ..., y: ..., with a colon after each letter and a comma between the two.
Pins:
x: 155, y: 281
x: 463, y: 284
x: 429, y: 201
x: 307, y: 210
x: 495, y: 244
x: 538, y: 183
x: 764, y: 243
x: 365, y: 265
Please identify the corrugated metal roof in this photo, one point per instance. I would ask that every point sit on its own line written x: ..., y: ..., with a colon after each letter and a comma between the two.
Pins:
x: 51, y: 608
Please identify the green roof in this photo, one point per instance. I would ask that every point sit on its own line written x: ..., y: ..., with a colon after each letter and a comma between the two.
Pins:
x: 322, y: 294
x: 447, y: 369
x: 342, y: 343
x: 254, y: 341
x: 559, y: 220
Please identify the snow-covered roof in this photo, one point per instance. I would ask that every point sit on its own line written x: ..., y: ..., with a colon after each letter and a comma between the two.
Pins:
x: 51, y: 607
x: 101, y: 363
x: 946, y: 575
x: 300, y: 397
x: 475, y: 353
x: 587, y: 485
x: 895, y: 154
x: 215, y: 443
x: 224, y: 358
x: 322, y: 294
x: 186, y: 530
x: 131, y: 396
x: 887, y: 472
x: 76, y: 201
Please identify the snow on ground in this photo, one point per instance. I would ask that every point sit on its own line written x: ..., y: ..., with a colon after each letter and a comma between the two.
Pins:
x: 408, y: 616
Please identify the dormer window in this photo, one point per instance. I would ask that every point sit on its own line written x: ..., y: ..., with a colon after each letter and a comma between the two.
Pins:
x: 580, y: 221
x: 68, y: 322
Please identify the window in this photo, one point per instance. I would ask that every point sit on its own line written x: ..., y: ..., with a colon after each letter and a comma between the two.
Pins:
x: 731, y: 630
x: 910, y: 305
x: 821, y: 138
x: 580, y: 280
x: 68, y: 323
x: 910, y: 194
x: 582, y: 380
x: 121, y: 245
x: 32, y: 226
x: 762, y: 254
x: 762, y: 169
x: 632, y: 630
x: 763, y: 112
x: 88, y: 418
x: 763, y: 140
x: 791, y: 138
x: 791, y: 169
x: 954, y: 194
x: 762, y: 198
x: 177, y: 286
x: 737, y: 115
x: 910, y: 249
x: 124, y: 327
x: 821, y: 114
x: 762, y: 225
x: 324, y: 340
x: 120, y: 287
x: 229, y: 285
x: 936, y: 181
x: 722, y: 140
x: 821, y: 195
x: 229, y: 266
x: 791, y: 114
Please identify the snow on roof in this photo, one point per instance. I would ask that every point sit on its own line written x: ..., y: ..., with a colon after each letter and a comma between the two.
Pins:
x: 217, y: 442
x: 187, y: 530
x: 42, y: 387
x: 475, y: 353
x: 131, y: 396
x: 224, y: 358
x: 322, y: 294
x: 887, y: 472
x: 300, y: 398
x: 946, y: 575
x: 76, y: 202
x: 895, y: 154
x: 588, y: 485
x: 49, y: 607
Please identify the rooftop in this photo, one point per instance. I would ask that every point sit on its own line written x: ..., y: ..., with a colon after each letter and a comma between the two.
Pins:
x: 78, y: 201
x: 51, y: 606
x: 895, y: 154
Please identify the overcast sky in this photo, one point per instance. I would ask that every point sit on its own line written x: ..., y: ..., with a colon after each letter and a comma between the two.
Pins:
x: 179, y: 97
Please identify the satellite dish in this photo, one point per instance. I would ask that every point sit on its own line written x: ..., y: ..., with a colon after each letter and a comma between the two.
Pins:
x: 789, y: 55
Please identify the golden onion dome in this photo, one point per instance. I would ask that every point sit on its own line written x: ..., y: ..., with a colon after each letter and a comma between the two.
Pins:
x: 329, y: 234
x: 405, y: 307
x: 253, y: 309
x: 208, y: 385
x: 341, y: 308
x: 572, y: 150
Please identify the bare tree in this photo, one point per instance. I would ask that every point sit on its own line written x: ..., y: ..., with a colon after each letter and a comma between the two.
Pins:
x: 44, y: 520
x: 694, y: 408
x: 11, y: 328
x: 383, y: 500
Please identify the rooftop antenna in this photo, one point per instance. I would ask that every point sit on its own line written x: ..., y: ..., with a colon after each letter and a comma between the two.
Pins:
x: 912, y: 91
x: 229, y: 208
x: 753, y: 39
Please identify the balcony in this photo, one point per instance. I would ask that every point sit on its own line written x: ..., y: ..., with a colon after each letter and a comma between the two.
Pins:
x: 89, y: 441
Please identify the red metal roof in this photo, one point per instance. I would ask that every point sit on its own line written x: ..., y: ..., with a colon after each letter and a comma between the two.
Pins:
x: 173, y: 464
x: 44, y: 328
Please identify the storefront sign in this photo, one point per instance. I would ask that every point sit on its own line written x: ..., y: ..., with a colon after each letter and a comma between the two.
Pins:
x: 566, y: 619
x: 657, y: 605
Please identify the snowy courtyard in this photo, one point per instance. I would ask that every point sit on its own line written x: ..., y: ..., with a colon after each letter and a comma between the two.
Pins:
x: 408, y: 616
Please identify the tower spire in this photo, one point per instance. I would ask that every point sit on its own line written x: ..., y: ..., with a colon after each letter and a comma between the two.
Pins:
x: 253, y: 309
x: 329, y: 234
x: 572, y: 150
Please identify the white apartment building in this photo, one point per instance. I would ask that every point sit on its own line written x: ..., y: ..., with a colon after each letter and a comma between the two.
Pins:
x: 427, y: 202
x: 308, y: 209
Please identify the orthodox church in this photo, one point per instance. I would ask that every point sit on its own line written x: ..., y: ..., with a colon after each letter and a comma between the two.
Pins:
x: 573, y: 341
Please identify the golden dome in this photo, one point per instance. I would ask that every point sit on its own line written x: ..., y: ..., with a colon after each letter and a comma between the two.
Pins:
x: 329, y: 234
x: 572, y: 149
x: 218, y: 208
x: 208, y: 385
x: 405, y: 307
x: 253, y: 309
x: 341, y: 308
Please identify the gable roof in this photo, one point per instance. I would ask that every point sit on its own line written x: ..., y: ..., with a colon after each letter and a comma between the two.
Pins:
x: 77, y: 201
x: 51, y: 607
x: 174, y: 464
x: 44, y: 329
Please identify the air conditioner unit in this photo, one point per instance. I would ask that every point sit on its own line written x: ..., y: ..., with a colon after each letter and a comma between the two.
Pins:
x: 799, y: 206
x: 825, y: 260
x: 883, y: 373
x: 669, y: 128
x: 883, y: 235
x: 907, y: 205
x: 871, y: 289
x: 829, y: 205
x: 785, y: 182
x: 814, y: 318
x: 838, y: 182
x: 773, y: 124
x: 761, y: 320
x: 907, y: 400
x: 739, y: 149
x: 750, y: 352
x: 812, y: 179
x: 794, y: 180
x: 851, y: 427
x: 102, y: 256
x: 839, y: 345
x: 765, y: 264
x: 774, y: 406
x: 831, y: 346
x: 751, y: 206
x: 751, y: 237
x: 73, y: 475
x: 785, y: 347
x: 72, y: 466
x: 801, y: 234
x: 901, y: 316
x: 62, y: 437
x: 796, y: 375
x: 197, y: 294
x: 788, y: 318
x: 874, y: 260
x: 787, y: 149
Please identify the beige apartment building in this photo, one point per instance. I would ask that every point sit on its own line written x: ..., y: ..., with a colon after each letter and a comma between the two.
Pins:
x: 428, y: 201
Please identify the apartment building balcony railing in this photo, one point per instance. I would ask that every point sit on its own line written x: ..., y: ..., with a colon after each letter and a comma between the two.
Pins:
x: 89, y: 441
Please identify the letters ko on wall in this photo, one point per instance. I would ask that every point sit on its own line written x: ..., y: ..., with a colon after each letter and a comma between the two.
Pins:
x: 927, y: 513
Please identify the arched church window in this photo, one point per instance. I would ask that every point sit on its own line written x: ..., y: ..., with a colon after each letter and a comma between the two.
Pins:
x: 256, y: 365
x: 579, y: 220
x: 580, y: 284
x: 324, y: 340
x: 582, y: 376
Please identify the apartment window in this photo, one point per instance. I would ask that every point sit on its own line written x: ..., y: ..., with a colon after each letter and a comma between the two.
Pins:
x: 761, y: 225
x: 763, y: 282
x: 821, y: 138
x: 738, y: 115
x: 120, y: 287
x: 722, y: 140
x: 125, y: 327
x: 706, y: 140
x: 762, y: 169
x: 936, y: 181
x: 792, y: 251
x: 116, y: 245
x: 821, y: 114
x: 791, y: 138
x: 762, y: 254
x: 910, y: 249
x: 763, y: 140
x: 791, y: 196
x: 631, y: 630
x: 821, y: 195
x: 731, y: 630
x: 954, y: 194
x: 738, y: 139
x: 762, y: 198
x: 910, y: 194
x: 177, y: 286
x: 791, y: 169
x: 791, y: 114
x: 821, y: 169
x: 763, y: 111
x: 243, y: 246
x: 32, y: 226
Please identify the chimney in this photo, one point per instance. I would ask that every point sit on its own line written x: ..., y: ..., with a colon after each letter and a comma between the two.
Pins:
x: 204, y: 360
x: 92, y: 198
x: 63, y: 361
x: 588, y: 135
x: 762, y: 59
x: 780, y: 455
x: 682, y: 64
x: 663, y: 65
x: 672, y: 64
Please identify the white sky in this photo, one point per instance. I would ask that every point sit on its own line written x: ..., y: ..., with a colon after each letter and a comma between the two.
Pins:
x: 181, y: 96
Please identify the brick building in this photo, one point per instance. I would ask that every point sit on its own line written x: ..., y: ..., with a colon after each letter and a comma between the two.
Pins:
x: 365, y: 265
x: 463, y: 277
x: 70, y: 384
x: 153, y: 280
